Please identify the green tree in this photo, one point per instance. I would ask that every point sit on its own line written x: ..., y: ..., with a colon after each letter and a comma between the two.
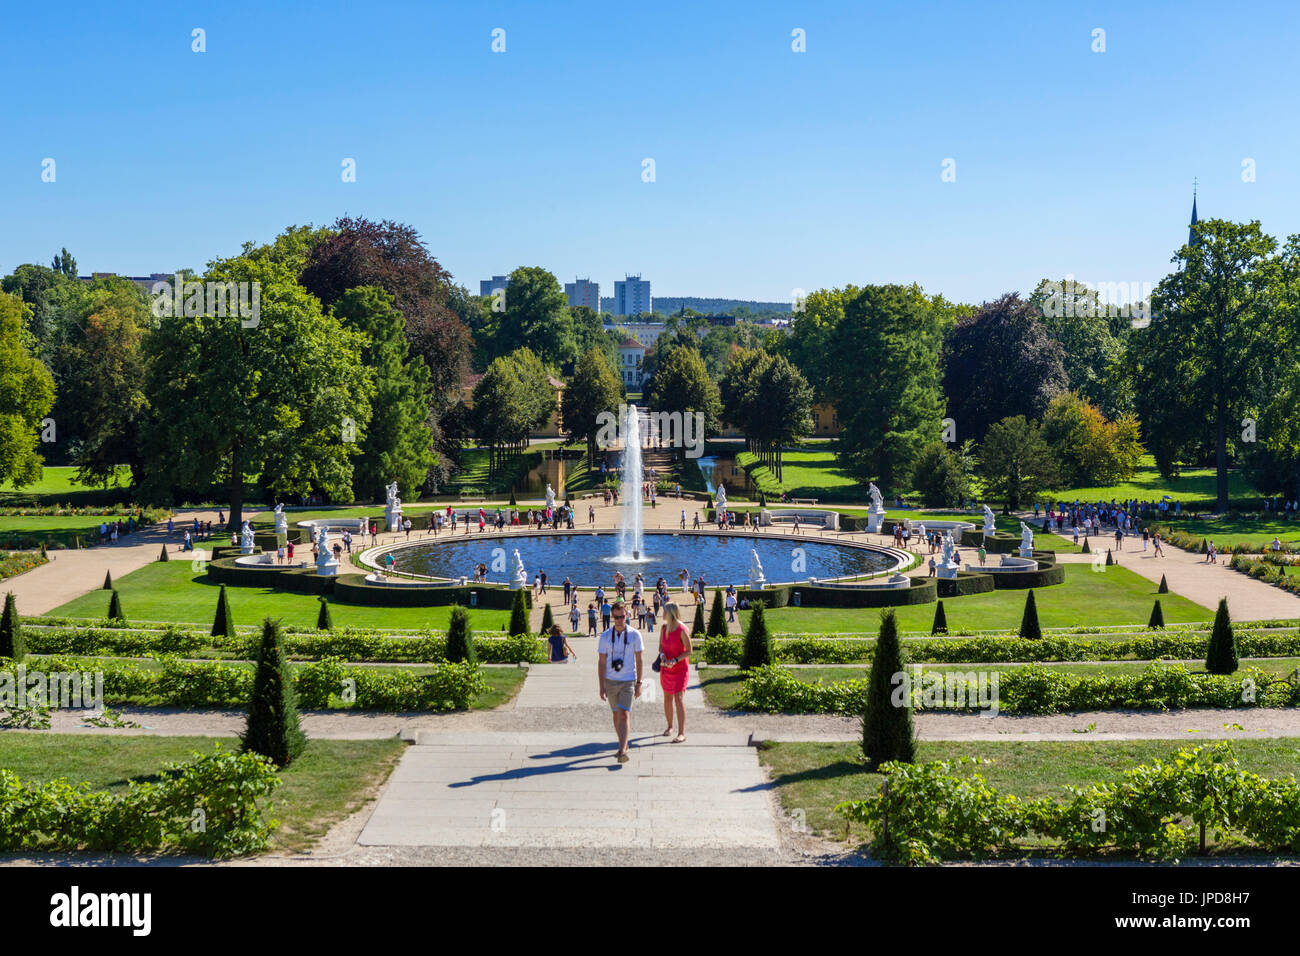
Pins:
x: 938, y: 476
x: 594, y: 388
x: 12, y: 645
x: 887, y: 733
x: 1091, y: 334
x: 398, y: 444
x: 26, y: 396
x: 223, y: 624
x: 682, y: 384
x: 940, y: 625
x: 460, y: 639
x: 1016, y: 462
x: 1089, y: 449
x: 537, y: 317
x: 511, y: 400
x: 1157, y: 619
x: 273, y: 729
x: 1221, y: 655
x: 1211, y: 345
x: 757, y: 648
x: 268, y: 399
x: 548, y: 619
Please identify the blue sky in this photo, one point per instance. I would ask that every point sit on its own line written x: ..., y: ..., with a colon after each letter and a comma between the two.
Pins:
x: 774, y: 169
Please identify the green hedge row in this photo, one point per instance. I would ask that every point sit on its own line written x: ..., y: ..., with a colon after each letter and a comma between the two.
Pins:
x: 372, y: 648
x: 1007, y: 650
x: 325, y: 683
x: 998, y: 543
x: 299, y: 580
x: 928, y: 814
x: 965, y: 584
x: 1267, y: 571
x: 353, y: 589
x: 1035, y: 689
x: 225, y: 791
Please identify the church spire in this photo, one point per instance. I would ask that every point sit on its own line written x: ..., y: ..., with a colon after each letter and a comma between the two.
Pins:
x: 1191, y: 231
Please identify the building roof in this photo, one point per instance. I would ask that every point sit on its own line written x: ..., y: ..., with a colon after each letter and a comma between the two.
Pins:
x: 631, y: 344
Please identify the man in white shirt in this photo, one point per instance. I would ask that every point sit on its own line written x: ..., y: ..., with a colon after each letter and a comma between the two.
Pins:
x: 619, y: 672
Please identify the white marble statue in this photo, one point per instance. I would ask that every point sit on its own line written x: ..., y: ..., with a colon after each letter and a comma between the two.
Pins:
x: 281, y: 523
x: 393, y: 513
x: 550, y: 497
x: 518, y: 576
x: 326, y: 563
x: 393, y: 500
x: 246, y: 539
x: 1026, y: 541
x: 722, y: 498
x: 877, y: 499
x: 948, y: 567
x: 989, y: 526
x: 756, y: 577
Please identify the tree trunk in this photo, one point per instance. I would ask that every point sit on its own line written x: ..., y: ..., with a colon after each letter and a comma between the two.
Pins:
x: 236, y: 491
x: 1221, y: 456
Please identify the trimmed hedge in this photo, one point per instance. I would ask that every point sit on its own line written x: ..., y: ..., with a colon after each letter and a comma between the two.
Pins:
x: 299, y: 580
x: 353, y: 589
x: 965, y: 583
x: 919, y: 591
x: 998, y: 543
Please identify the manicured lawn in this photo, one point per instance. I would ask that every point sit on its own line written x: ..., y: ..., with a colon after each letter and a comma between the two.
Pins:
x: 813, y: 777
x: 1115, y: 596
x: 806, y: 474
x: 1147, y: 485
x: 1227, y: 532
x: 61, y: 479
x: 174, y: 591
x: 332, y: 778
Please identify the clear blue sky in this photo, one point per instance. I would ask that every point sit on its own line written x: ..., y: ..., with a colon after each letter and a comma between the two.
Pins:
x: 775, y: 169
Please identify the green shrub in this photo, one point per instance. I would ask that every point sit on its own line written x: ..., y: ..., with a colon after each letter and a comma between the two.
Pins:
x: 162, y: 555
x: 548, y: 619
x: 717, y: 616
x: 697, y: 625
x: 940, y: 625
x: 758, y: 642
x: 887, y: 732
x: 1029, y: 628
x: 1164, y: 586
x: 108, y: 581
x: 519, y: 614
x: 273, y: 729
x: 324, y: 619
x: 1221, y: 655
x: 115, y: 612
x: 11, y: 631
x: 460, y: 640
x: 223, y: 625
x: 1157, y: 620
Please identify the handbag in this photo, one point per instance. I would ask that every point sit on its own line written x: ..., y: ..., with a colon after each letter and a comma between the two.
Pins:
x: 659, y: 658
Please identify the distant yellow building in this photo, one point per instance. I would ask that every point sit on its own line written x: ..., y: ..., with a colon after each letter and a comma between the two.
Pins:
x: 826, y: 422
x: 554, y: 427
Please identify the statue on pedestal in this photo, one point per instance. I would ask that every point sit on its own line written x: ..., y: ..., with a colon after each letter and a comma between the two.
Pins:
x: 393, y: 513
x: 326, y: 563
x: 246, y: 539
x: 756, y: 577
x: 281, y: 525
x: 990, y: 526
x: 1026, y: 541
x: 518, y: 576
x: 550, y: 497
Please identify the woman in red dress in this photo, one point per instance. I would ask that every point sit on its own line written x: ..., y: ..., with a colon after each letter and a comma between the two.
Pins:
x: 675, y: 668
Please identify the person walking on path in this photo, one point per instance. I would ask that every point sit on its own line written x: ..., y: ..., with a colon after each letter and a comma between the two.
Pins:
x: 605, y: 611
x: 731, y: 605
x: 674, y: 670
x: 619, y: 672
x: 1155, y: 543
x: 560, y: 649
x: 592, y: 631
x: 574, y: 615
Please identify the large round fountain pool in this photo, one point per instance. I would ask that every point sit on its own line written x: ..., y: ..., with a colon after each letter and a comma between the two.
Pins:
x: 591, y: 559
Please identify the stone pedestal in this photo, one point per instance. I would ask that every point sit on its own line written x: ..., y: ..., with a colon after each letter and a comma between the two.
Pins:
x: 1026, y: 552
x: 394, y: 516
x: 875, y: 521
x: 947, y: 570
x: 326, y: 565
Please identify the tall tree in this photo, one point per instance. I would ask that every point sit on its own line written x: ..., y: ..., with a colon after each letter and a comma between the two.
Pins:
x: 594, y: 388
x: 682, y: 384
x: 1211, y: 345
x: 272, y: 399
x: 26, y: 396
x: 1000, y: 362
x: 537, y: 317
x: 397, y: 445
x: 1091, y: 340
x: 1016, y: 462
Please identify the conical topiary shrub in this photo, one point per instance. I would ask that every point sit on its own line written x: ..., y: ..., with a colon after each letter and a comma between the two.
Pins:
x: 513, y: 503
x: 717, y: 617
x: 1110, y: 558
x: 272, y: 728
x: 1205, y: 546
x: 940, y: 625
x: 697, y: 623
x: 1164, y: 586
x: 460, y: 640
x: 162, y: 555
x: 108, y: 581
x: 887, y: 723
x: 548, y: 619
x: 1029, y: 623
x: 324, y: 619
x: 519, y: 614
x: 115, y: 608
x: 12, y: 645
x: 1157, y: 621
x: 757, y: 651
x: 1221, y: 657
x: 223, y: 625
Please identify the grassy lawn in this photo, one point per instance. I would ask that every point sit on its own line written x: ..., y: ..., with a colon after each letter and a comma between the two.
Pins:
x: 60, y: 479
x: 1115, y: 596
x: 806, y: 474
x: 1147, y: 485
x: 816, y: 776
x: 332, y: 779
x: 173, y: 591
x: 1227, y: 532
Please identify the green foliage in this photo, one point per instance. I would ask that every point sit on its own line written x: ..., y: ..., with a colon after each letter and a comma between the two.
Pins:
x: 108, y: 581
x: 115, y: 612
x: 928, y: 814
x: 717, y: 616
x: 938, y: 476
x: 940, y: 625
x: 548, y: 619
x: 460, y: 640
x: 162, y: 555
x: 227, y: 792
x: 681, y: 383
x: 1016, y: 463
x: 697, y: 624
x: 324, y: 620
x: 11, y: 631
x: 1164, y: 586
x: 1029, y: 629
x: 26, y: 397
x: 595, y: 388
x: 758, y: 642
x: 519, y: 614
x: 223, y: 624
x: 887, y: 733
x: 1157, y: 620
x: 1221, y: 655
x: 1089, y: 448
x: 273, y: 728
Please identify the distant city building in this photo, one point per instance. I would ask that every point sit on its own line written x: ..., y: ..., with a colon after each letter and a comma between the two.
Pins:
x: 632, y: 296
x: 487, y: 286
x: 646, y: 333
x: 631, y: 355
x: 583, y: 292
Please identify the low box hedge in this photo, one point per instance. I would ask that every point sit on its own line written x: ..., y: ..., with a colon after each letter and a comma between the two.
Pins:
x: 296, y: 579
x: 965, y: 583
x: 354, y: 589
x: 918, y: 591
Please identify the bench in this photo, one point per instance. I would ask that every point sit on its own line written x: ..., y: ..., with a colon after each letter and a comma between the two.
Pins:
x: 803, y: 501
